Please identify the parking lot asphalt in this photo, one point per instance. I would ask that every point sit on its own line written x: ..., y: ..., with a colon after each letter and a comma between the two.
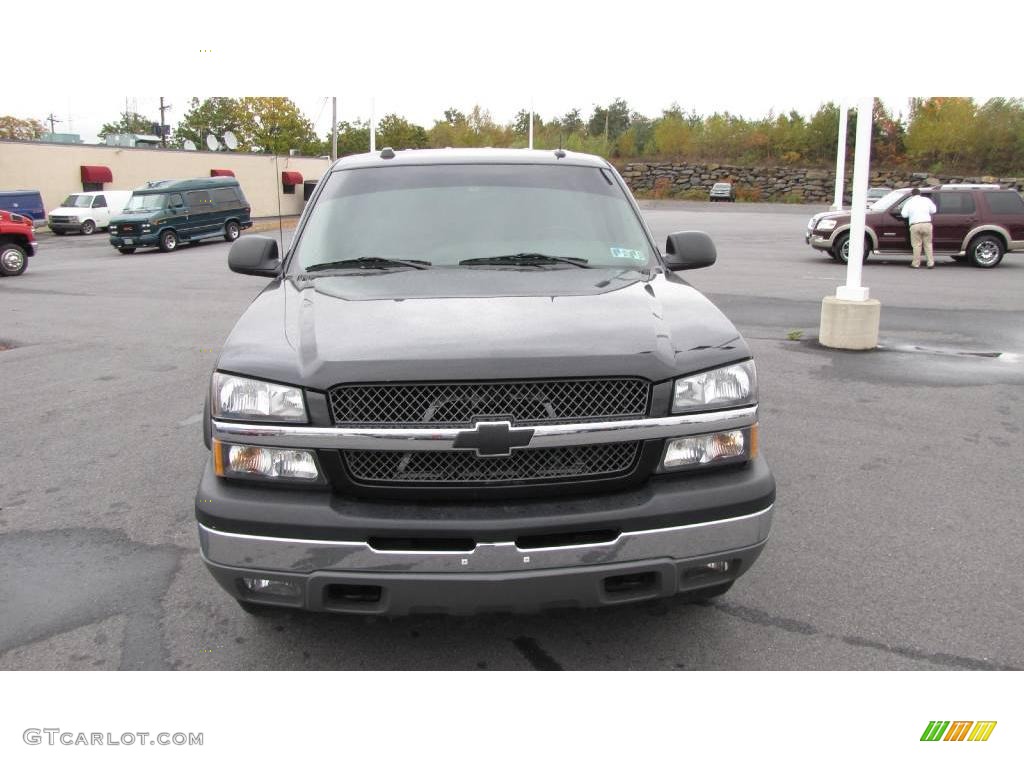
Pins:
x: 898, y: 533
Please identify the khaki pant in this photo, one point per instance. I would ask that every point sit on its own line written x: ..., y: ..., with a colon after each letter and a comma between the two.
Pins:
x: 921, y: 235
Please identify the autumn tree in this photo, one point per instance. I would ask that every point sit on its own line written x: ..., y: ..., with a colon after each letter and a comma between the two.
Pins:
x: 18, y: 129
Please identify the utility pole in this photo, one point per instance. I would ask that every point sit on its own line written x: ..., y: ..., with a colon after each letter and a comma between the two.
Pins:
x: 334, y: 128
x: 531, y: 123
x: 373, y: 128
x: 163, y: 133
x: 606, y: 129
x: 51, y: 119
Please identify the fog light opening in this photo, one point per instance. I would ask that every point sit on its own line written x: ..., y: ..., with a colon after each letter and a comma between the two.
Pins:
x: 711, y: 570
x: 270, y: 587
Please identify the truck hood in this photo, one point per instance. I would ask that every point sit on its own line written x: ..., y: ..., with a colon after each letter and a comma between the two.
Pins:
x: 425, y: 326
x: 133, y: 218
x: 70, y: 212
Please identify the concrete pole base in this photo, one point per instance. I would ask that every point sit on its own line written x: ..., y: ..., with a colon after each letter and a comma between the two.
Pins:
x: 849, y: 324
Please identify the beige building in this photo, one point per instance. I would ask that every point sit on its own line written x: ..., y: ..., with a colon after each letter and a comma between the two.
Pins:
x: 57, y: 170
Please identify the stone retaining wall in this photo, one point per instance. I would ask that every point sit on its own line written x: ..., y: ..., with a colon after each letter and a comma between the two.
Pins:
x: 797, y: 185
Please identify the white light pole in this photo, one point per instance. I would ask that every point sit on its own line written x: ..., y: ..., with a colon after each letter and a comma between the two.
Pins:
x: 853, y: 291
x: 837, y: 202
x: 850, y: 320
x: 373, y: 128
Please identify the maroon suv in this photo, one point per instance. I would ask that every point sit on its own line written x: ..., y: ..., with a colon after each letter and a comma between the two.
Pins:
x: 979, y: 222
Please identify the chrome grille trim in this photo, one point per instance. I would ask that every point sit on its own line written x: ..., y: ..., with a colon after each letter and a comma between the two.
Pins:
x: 443, y: 439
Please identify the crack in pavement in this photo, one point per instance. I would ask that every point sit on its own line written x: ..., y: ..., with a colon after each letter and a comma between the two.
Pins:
x: 757, y: 616
x: 538, y: 658
x: 56, y: 581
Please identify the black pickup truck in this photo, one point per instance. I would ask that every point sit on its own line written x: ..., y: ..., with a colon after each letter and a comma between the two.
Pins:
x: 473, y: 383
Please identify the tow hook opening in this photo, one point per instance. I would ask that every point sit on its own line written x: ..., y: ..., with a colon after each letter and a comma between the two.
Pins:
x: 633, y: 584
x: 346, y: 594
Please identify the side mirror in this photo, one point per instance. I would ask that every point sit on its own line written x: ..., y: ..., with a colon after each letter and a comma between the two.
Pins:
x: 689, y: 250
x: 255, y: 255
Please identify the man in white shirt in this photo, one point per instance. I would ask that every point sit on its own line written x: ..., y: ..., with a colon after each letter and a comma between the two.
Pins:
x: 918, y: 211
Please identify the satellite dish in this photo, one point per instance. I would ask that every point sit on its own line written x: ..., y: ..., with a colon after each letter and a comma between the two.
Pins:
x: 230, y: 140
x: 211, y: 142
x: 189, y: 145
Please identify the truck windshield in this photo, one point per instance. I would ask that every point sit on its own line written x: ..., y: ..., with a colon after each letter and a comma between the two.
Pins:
x: 77, y: 201
x: 146, y: 203
x: 890, y: 199
x: 498, y: 216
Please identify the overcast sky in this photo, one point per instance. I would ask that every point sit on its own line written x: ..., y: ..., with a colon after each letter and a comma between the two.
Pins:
x: 416, y: 59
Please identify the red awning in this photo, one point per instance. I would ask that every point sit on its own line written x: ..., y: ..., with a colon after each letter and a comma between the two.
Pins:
x: 221, y: 172
x: 291, y: 178
x: 96, y: 174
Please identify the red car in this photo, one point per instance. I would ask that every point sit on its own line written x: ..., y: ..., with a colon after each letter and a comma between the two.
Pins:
x: 17, y: 243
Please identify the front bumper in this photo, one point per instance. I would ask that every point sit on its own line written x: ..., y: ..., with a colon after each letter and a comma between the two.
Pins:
x: 486, y: 555
x: 135, y: 240
x: 64, y: 226
x: 821, y: 242
x: 353, y: 577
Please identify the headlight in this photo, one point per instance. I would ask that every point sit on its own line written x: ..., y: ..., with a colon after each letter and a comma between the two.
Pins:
x: 260, y: 462
x: 237, y: 398
x: 826, y: 225
x: 730, y: 386
x: 732, y: 447
x: 112, y: 229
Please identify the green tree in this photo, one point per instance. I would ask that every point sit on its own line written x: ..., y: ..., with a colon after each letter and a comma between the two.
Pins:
x: 615, y: 117
x: 276, y: 125
x: 398, y: 133
x: 939, y: 130
x: 18, y: 129
x: 130, y: 122
x: 997, y: 137
x: 353, y: 138
x: 216, y: 115
x: 673, y: 136
x: 572, y: 122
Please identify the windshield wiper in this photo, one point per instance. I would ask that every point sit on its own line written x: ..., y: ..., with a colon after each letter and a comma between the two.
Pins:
x: 527, y: 259
x: 370, y: 262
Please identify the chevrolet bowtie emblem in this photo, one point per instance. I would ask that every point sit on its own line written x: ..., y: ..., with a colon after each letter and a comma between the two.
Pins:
x: 493, y: 438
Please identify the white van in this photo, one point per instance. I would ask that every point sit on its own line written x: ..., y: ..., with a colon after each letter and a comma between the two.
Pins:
x: 87, y: 212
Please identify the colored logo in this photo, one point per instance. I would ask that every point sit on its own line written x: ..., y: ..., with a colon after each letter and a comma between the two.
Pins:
x: 958, y: 730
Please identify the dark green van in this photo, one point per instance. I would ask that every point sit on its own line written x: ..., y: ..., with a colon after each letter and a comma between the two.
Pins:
x: 166, y: 214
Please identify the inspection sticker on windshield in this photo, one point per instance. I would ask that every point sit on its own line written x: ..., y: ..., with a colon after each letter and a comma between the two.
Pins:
x: 628, y: 253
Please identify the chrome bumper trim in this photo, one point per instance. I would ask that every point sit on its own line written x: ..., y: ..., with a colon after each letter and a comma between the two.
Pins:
x: 427, y: 439
x: 309, y: 555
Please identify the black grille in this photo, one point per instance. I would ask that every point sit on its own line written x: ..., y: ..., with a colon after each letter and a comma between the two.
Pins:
x: 465, y: 467
x: 524, y: 402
